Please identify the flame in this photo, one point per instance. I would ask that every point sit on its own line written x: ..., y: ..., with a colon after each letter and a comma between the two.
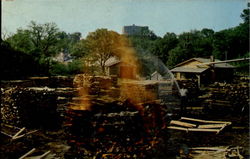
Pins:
x: 131, y: 87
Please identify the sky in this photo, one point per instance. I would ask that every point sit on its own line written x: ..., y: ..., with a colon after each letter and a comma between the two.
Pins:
x: 88, y: 15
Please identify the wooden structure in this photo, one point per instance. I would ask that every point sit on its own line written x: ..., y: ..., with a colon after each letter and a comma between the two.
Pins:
x: 156, y: 76
x: 198, y: 125
x: 215, y: 152
x: 120, y: 69
x: 204, y: 70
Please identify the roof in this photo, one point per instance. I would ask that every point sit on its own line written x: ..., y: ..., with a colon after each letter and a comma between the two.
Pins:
x: 205, y: 60
x: 155, y: 73
x: 112, y: 61
x: 187, y: 69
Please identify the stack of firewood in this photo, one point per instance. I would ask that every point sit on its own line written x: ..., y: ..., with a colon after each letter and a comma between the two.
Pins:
x: 232, y: 96
x: 30, y: 107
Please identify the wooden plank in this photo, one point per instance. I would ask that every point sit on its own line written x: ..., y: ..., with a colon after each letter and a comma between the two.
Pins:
x: 28, y: 153
x: 203, y: 130
x: 6, y: 134
x: 18, y: 137
x: 211, y: 126
x: 184, y: 124
x: 210, y: 148
x: 19, y: 132
x: 205, y: 121
x: 221, y: 128
x: 193, y: 129
x: 177, y: 128
x: 43, y: 155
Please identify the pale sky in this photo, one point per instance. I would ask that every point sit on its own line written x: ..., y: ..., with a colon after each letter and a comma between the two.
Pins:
x: 87, y: 15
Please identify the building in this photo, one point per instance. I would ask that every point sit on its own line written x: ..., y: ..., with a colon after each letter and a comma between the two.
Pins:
x: 156, y: 76
x: 199, y: 69
x: 63, y: 58
x: 134, y: 29
x: 120, y: 69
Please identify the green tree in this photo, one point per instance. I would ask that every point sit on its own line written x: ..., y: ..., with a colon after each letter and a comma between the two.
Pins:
x: 39, y: 41
x: 101, y: 45
x: 176, y: 56
x: 162, y: 46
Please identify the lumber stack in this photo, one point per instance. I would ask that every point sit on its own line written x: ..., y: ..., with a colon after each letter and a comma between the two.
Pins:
x: 198, y: 125
x: 233, y: 97
x: 139, y: 92
x: 30, y: 107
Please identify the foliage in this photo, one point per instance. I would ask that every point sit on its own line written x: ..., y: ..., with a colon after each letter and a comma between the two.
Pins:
x: 101, y: 45
x: 71, y: 68
x: 37, y: 44
x: 16, y: 64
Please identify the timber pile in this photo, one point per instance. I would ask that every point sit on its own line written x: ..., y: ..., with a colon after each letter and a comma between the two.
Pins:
x: 53, y: 81
x: 96, y: 85
x: 101, y: 123
x: 30, y: 107
x: 115, y: 129
x: 198, y: 125
x: 224, y: 96
x: 139, y: 92
x: 215, y: 152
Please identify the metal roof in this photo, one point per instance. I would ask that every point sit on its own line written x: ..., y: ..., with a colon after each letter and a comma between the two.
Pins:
x: 112, y: 61
x: 189, y: 70
x: 206, y: 60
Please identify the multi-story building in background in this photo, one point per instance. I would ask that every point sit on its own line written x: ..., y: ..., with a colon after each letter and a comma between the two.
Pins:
x: 134, y: 29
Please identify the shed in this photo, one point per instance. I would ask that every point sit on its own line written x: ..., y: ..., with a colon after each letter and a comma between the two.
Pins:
x: 120, y: 69
x: 156, y: 76
x: 192, y: 69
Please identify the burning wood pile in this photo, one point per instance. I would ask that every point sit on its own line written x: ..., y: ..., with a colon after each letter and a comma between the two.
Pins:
x: 115, y: 129
x: 106, y: 121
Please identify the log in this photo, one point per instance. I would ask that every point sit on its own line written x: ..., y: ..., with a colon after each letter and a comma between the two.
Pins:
x: 184, y: 124
x: 28, y: 153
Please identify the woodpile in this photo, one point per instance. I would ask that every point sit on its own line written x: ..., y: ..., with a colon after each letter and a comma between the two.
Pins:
x: 139, y: 92
x: 52, y: 82
x: 227, y: 97
x: 31, y: 107
x: 115, y: 129
x: 115, y: 125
